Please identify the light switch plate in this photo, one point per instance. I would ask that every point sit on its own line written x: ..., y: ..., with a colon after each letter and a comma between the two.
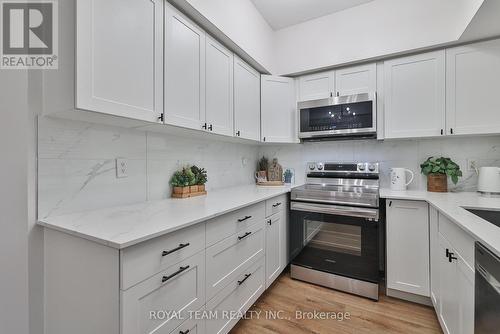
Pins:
x: 121, y: 168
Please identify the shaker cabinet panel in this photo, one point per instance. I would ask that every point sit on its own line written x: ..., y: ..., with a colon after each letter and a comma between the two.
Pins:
x: 246, y: 101
x: 219, y: 88
x: 184, y: 71
x: 356, y: 80
x: 414, y: 96
x: 472, y: 81
x: 434, y: 256
x: 113, y: 75
x: 274, y: 247
x: 407, y: 246
x: 278, y: 110
x: 316, y: 86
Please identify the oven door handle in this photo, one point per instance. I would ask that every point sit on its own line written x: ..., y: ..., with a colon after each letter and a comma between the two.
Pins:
x: 372, y: 214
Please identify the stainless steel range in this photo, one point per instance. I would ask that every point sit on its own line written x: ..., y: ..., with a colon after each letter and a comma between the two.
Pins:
x: 335, y: 228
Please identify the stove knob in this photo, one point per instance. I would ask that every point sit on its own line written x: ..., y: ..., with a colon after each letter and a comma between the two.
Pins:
x: 372, y: 168
x: 361, y: 167
x: 320, y: 166
x: 312, y: 166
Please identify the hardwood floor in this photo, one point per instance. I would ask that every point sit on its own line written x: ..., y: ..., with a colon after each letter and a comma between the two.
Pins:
x: 388, y: 315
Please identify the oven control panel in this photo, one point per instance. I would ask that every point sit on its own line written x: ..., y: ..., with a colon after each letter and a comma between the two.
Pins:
x: 351, y: 167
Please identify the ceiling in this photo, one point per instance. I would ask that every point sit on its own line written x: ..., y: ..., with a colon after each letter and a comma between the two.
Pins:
x: 284, y: 13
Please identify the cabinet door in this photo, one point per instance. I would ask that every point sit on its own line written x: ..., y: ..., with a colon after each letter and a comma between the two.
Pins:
x: 246, y: 101
x: 316, y: 86
x: 274, y: 248
x: 219, y: 88
x: 449, y: 299
x: 114, y: 76
x: 434, y: 256
x: 414, y: 92
x: 278, y: 110
x: 472, y: 81
x: 407, y: 246
x: 184, y: 71
x: 356, y: 80
x: 465, y: 280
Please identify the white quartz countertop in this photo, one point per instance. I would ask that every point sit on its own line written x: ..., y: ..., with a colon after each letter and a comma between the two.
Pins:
x: 452, y: 205
x: 124, y: 226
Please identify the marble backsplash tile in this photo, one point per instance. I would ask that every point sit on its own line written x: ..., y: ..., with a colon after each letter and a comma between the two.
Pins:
x: 393, y: 153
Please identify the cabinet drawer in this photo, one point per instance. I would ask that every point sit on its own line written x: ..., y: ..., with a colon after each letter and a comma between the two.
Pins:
x: 226, y: 259
x: 238, y: 296
x: 180, y: 287
x: 191, y: 326
x: 462, y: 242
x: 224, y: 226
x: 148, y: 258
x: 275, y: 205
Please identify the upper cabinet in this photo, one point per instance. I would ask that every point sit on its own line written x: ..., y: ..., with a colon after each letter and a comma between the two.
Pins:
x: 278, y: 110
x: 316, y: 86
x: 246, y: 101
x: 356, y: 80
x: 113, y: 75
x: 219, y: 88
x: 184, y: 71
x: 414, y: 92
x: 472, y: 83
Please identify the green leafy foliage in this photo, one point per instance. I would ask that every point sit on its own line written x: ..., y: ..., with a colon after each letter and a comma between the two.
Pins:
x: 183, y: 178
x: 263, y: 163
x: 443, y: 166
x: 200, y: 175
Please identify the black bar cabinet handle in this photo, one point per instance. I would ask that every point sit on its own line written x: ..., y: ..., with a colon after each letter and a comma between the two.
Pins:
x: 185, y: 332
x: 210, y: 127
x: 244, y: 236
x: 181, y: 246
x: 452, y: 257
x: 276, y: 205
x: 269, y: 222
x: 243, y: 219
x: 166, y: 278
x: 243, y: 280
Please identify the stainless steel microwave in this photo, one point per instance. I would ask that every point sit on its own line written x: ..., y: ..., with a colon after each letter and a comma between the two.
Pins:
x: 340, y: 116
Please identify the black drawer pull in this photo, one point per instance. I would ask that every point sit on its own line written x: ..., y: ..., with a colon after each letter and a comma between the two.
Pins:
x: 243, y: 219
x: 452, y: 257
x: 269, y: 222
x: 276, y: 205
x: 243, y: 280
x: 181, y: 246
x: 244, y: 236
x: 186, y: 332
x: 166, y: 278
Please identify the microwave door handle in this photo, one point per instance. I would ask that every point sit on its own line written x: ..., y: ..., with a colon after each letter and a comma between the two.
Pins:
x: 335, y: 210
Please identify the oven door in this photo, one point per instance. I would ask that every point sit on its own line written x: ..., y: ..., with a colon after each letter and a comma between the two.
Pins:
x: 335, y: 239
x: 338, y: 116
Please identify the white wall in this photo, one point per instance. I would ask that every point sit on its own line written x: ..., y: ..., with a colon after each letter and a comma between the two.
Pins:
x: 376, y: 29
x: 76, y: 165
x: 14, y: 148
x: 393, y: 153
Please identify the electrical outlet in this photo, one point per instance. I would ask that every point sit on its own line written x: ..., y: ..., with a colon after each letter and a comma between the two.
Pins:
x: 472, y: 165
x: 121, y: 168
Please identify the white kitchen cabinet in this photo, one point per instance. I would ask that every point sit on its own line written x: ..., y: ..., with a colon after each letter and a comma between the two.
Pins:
x: 472, y: 81
x: 113, y: 75
x: 465, y: 281
x: 414, y: 96
x: 278, y: 110
x: 246, y: 101
x: 316, y: 86
x: 434, y: 256
x: 274, y: 247
x: 448, y: 307
x: 184, y: 71
x: 356, y: 80
x: 219, y: 88
x: 407, y: 246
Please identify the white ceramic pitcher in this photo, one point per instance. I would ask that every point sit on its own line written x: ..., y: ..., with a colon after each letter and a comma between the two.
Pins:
x: 398, y: 178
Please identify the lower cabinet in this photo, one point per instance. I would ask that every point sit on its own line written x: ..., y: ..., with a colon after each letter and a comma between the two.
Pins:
x: 274, y: 248
x: 236, y: 298
x: 191, y: 326
x: 407, y: 250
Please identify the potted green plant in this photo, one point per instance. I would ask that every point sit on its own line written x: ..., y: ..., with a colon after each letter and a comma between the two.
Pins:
x: 262, y: 166
x: 183, y: 181
x: 438, y: 170
x: 200, y: 176
x: 288, y: 174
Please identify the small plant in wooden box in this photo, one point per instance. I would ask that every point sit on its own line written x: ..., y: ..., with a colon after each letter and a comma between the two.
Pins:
x: 200, y: 175
x: 189, y: 182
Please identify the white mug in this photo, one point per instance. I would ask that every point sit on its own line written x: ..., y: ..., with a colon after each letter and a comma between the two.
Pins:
x: 398, y: 178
